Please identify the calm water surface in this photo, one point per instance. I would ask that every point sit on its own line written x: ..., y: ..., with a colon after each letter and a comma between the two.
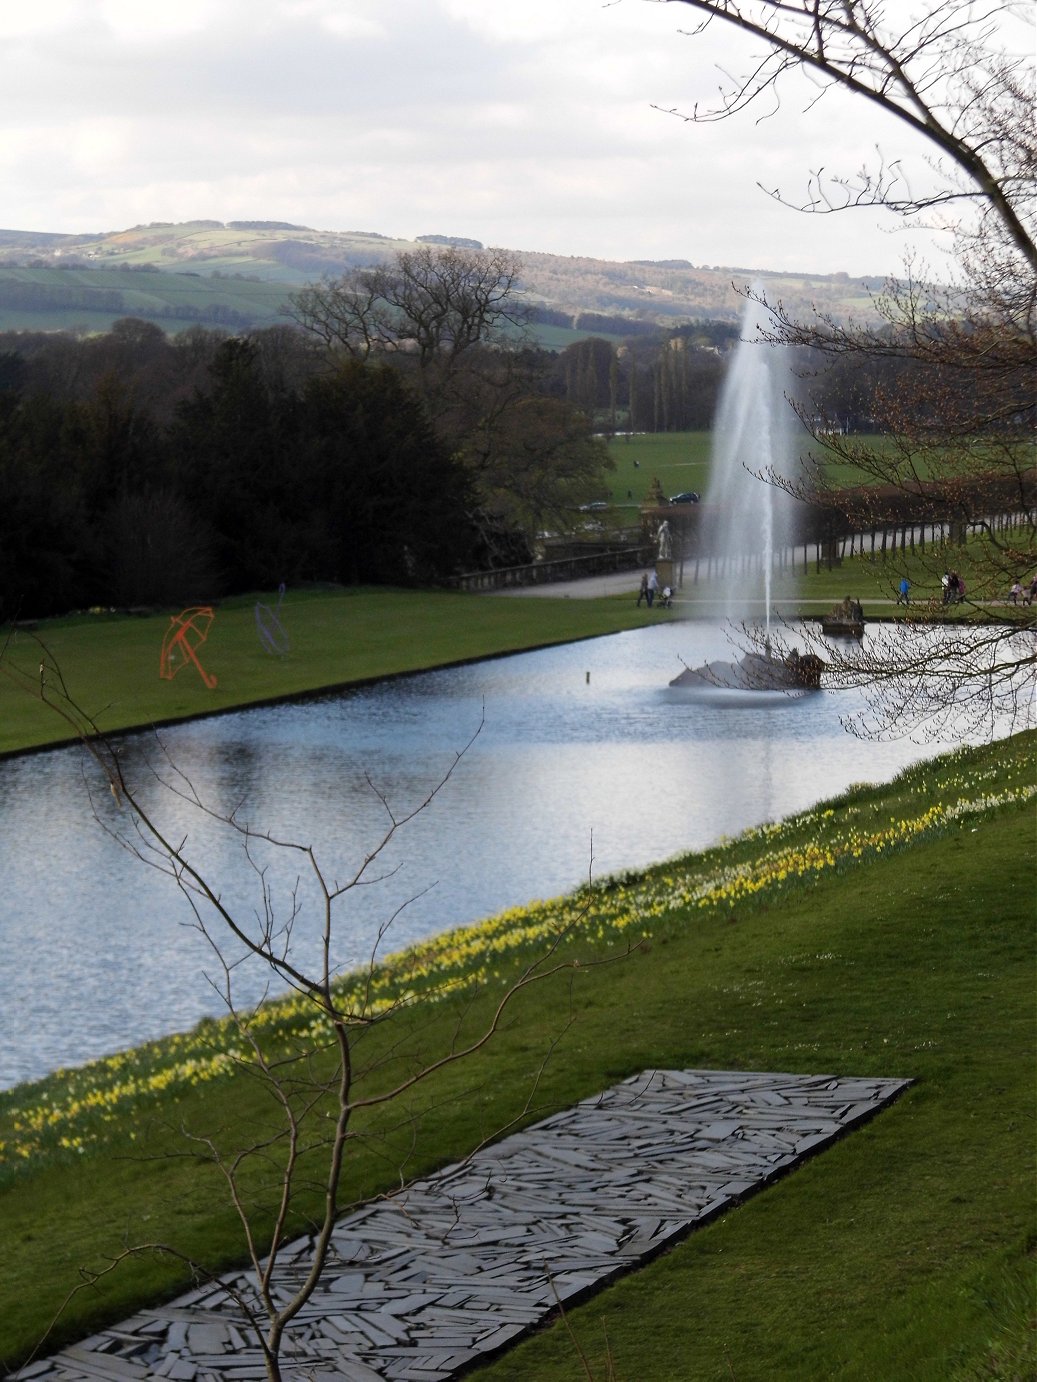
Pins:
x: 583, y: 761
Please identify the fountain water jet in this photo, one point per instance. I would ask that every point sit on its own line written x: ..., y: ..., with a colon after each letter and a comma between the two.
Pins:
x: 757, y: 438
x: 748, y: 518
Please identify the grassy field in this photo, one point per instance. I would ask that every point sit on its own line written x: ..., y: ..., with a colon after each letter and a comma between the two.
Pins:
x: 110, y: 662
x: 889, y: 932
x: 176, y: 299
x: 680, y: 461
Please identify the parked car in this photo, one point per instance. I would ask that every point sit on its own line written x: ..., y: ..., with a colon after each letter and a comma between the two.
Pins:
x: 594, y: 506
x: 687, y: 497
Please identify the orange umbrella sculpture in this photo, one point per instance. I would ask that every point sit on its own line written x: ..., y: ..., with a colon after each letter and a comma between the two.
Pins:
x: 187, y: 631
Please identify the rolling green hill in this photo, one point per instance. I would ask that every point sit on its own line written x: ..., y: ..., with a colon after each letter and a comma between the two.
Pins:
x: 241, y: 274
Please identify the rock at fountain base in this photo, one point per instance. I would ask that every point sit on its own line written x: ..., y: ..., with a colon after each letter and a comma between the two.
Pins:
x: 757, y: 672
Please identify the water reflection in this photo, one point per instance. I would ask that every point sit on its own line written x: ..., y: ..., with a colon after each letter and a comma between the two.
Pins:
x: 583, y: 761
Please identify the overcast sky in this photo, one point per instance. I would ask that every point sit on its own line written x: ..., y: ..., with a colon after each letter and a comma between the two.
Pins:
x: 526, y: 125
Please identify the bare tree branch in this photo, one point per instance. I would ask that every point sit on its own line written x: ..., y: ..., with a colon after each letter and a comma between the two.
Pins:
x: 933, y: 76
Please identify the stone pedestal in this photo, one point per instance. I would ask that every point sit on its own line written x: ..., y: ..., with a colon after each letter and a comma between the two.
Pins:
x: 664, y: 569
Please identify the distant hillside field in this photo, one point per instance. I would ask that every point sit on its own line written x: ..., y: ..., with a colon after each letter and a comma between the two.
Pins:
x: 45, y: 299
x: 241, y: 274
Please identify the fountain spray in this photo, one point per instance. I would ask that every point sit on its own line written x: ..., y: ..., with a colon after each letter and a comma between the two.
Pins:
x: 757, y: 439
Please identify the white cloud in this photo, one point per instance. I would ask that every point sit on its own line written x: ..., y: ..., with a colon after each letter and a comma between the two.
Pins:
x: 342, y: 18
x: 43, y: 17
x: 528, y: 126
x: 136, y: 22
x: 531, y: 22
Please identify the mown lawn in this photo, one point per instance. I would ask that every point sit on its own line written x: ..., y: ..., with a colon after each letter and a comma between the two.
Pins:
x: 678, y: 460
x: 681, y: 461
x: 889, y: 932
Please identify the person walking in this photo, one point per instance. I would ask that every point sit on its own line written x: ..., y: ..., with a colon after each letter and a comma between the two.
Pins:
x: 653, y: 586
x: 642, y: 594
x: 904, y: 595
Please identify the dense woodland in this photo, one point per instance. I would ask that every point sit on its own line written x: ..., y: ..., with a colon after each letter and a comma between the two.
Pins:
x: 137, y: 469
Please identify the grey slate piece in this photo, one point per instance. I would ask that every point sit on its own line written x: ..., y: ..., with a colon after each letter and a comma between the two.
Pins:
x: 458, y: 1265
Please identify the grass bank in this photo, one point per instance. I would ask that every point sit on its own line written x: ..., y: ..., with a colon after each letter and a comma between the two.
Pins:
x: 887, y: 932
x: 111, y: 661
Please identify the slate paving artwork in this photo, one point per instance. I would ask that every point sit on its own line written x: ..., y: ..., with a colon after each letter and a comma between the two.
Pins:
x: 459, y: 1265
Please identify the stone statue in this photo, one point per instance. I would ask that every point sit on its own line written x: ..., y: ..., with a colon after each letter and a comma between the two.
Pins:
x: 665, y: 541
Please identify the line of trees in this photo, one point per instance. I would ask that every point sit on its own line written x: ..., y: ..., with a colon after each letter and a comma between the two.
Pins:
x: 670, y: 381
